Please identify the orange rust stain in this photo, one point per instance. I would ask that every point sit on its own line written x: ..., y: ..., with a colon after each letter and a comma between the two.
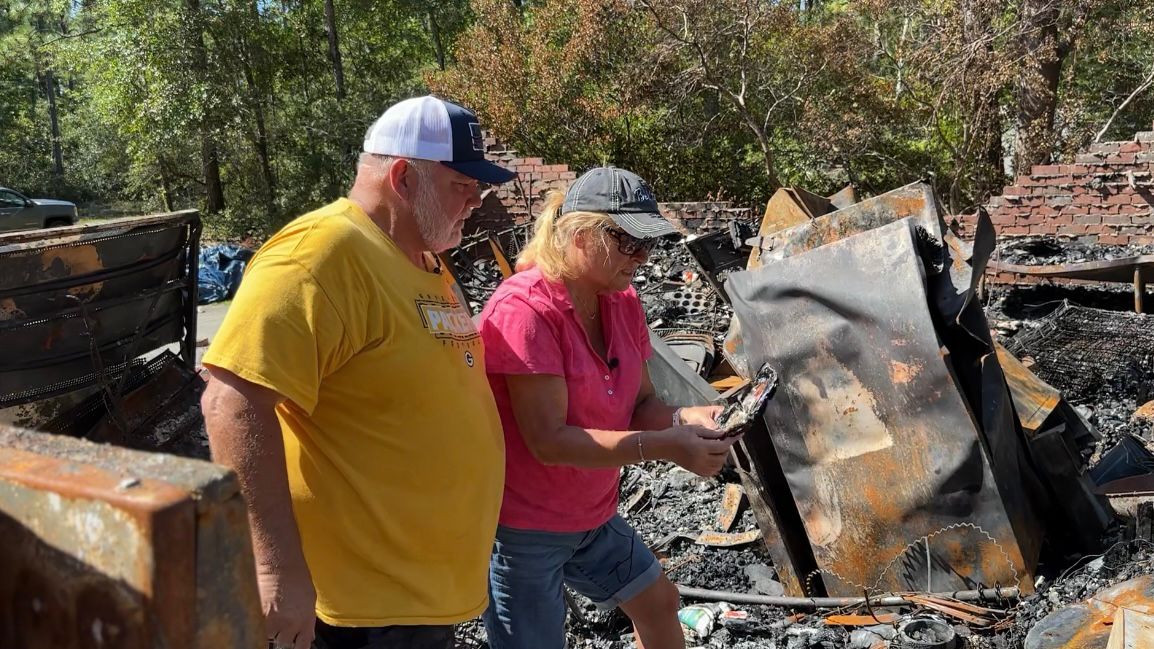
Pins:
x: 1146, y: 411
x: 9, y: 310
x: 902, y: 373
x: 995, y: 566
x: 861, y: 620
x: 79, y: 260
x: 1133, y: 594
x: 1103, y: 606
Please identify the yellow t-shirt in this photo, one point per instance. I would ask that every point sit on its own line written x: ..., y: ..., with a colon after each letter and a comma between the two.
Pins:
x: 394, y: 448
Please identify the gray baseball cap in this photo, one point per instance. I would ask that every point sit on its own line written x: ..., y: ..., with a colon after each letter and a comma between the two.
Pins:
x: 621, y: 194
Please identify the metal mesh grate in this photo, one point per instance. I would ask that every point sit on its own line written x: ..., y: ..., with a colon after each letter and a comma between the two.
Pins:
x: 1088, y: 353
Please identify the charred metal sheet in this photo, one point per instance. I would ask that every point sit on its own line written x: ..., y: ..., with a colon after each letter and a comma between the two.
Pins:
x: 106, y: 547
x: 1084, y: 513
x: 782, y: 211
x: 813, y: 204
x: 915, y: 201
x: 731, y: 540
x: 674, y: 380
x: 455, y: 285
x: 730, y: 505
x: 776, y: 513
x: 1132, y: 630
x: 500, y: 257
x: 1110, y: 270
x: 78, y: 304
x: 1057, y: 436
x: 844, y: 198
x: 715, y: 253
x: 1137, y: 270
x: 874, y: 433
x: 697, y: 349
x: 1087, y: 625
x: 1127, y: 459
x: 1034, y: 399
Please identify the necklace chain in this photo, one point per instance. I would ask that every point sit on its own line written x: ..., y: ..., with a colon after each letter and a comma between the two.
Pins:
x: 596, y: 309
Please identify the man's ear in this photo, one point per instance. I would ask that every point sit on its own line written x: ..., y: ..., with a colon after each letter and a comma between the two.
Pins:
x: 402, y: 179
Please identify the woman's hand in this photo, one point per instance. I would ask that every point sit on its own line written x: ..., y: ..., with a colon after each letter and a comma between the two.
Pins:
x: 695, y: 448
x: 704, y: 416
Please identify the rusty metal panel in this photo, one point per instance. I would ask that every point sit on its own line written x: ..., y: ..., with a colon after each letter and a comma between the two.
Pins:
x: 813, y: 204
x: 112, y: 548
x: 776, y: 513
x: 782, y: 211
x: 1088, y: 624
x: 1034, y: 399
x: 844, y: 198
x: 159, y: 412
x: 78, y: 304
x: 1109, y: 270
x: 872, y: 426
x: 915, y: 201
x: 1056, y: 436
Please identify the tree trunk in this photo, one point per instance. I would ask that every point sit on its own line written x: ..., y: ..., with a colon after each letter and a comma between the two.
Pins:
x: 213, y: 187
x: 762, y: 141
x: 1036, y: 90
x: 165, y: 185
x: 209, y: 156
x: 990, y: 176
x: 262, y: 148
x: 46, y: 81
x: 54, y: 120
x: 253, y: 55
x: 435, y: 33
x: 334, y: 48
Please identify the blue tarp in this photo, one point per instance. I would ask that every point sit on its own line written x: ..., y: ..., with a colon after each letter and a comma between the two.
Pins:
x: 221, y: 268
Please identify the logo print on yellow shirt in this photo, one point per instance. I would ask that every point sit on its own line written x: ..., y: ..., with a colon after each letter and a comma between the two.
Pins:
x: 446, y: 321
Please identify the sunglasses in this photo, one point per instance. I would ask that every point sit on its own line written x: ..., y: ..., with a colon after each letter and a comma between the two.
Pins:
x: 629, y: 245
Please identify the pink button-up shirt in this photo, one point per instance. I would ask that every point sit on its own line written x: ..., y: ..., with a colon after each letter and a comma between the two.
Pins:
x: 529, y: 326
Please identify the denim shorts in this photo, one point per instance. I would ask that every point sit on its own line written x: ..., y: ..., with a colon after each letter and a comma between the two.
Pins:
x: 609, y: 565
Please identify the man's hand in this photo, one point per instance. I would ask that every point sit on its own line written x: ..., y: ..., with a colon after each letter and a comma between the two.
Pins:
x: 288, y: 601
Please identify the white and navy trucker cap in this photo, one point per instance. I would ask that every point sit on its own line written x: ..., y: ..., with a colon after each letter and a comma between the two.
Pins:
x: 428, y: 128
x: 624, y: 196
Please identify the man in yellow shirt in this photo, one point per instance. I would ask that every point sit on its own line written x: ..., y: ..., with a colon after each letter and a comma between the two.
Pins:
x: 348, y: 392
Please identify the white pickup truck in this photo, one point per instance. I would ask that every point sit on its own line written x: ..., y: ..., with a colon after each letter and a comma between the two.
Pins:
x: 18, y: 212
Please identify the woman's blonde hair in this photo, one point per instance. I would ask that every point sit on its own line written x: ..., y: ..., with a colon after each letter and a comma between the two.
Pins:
x: 553, y: 236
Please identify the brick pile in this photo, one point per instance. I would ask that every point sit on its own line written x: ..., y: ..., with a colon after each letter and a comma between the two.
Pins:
x: 519, y: 201
x: 1105, y: 196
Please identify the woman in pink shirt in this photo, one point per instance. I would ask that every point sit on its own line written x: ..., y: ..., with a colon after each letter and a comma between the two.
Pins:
x: 565, y: 350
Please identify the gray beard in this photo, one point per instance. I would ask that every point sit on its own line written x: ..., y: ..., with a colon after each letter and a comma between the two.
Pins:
x: 436, y: 231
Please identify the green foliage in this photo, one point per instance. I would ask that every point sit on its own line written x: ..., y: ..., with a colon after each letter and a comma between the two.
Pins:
x: 709, y: 99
